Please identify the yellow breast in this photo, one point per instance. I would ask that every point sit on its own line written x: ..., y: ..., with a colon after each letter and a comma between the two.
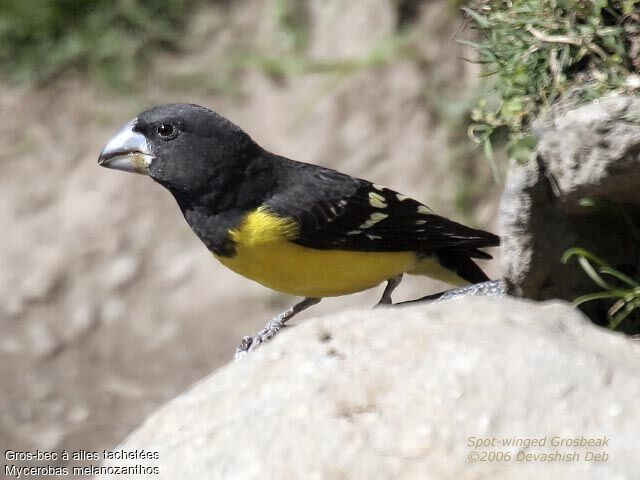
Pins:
x: 264, y: 253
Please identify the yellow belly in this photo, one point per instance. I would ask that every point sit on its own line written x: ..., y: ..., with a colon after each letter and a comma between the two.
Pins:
x: 265, y: 254
x: 306, y: 272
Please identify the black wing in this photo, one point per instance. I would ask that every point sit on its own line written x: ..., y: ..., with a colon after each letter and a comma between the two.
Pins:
x: 336, y: 211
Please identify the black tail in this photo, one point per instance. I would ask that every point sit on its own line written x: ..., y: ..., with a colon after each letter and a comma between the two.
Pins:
x: 461, y: 263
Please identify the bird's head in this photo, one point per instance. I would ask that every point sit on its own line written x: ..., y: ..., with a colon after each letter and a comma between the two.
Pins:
x: 187, y: 148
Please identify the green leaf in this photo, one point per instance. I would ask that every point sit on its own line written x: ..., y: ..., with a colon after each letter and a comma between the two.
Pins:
x: 620, y: 276
x: 592, y: 296
x: 482, y: 22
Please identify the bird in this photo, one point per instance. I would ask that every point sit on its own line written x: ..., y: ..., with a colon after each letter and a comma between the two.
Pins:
x: 294, y: 227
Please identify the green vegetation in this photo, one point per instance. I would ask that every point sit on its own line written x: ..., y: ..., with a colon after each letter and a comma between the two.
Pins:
x: 625, y: 292
x: 109, y: 39
x: 537, y: 52
x: 619, y: 288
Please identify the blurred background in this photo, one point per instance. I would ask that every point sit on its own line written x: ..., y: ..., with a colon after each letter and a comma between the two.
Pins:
x: 109, y: 305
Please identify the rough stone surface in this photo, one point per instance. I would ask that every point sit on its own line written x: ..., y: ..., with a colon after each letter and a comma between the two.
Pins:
x: 398, y: 393
x: 592, y: 151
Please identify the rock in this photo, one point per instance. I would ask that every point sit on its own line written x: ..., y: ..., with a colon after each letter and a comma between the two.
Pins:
x: 590, y: 152
x: 13, y: 306
x: 9, y: 345
x: 180, y: 268
x: 594, y: 151
x: 121, y: 271
x: 40, y: 285
x: 78, y: 414
x: 112, y: 310
x: 41, y: 282
x: 42, y: 341
x: 402, y: 392
x: 83, y: 319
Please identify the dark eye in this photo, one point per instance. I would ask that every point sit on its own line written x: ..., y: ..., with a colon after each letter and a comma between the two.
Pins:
x: 166, y: 130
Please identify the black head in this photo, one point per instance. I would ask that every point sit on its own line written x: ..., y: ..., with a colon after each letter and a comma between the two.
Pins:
x: 187, y: 148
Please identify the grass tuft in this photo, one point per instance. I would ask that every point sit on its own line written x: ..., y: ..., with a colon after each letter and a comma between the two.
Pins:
x: 537, y: 52
x: 619, y: 288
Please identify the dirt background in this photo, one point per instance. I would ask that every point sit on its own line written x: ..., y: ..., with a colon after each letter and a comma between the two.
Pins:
x: 109, y: 305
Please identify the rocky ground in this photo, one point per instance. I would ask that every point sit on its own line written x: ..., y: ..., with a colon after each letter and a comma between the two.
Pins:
x: 109, y: 305
x: 412, y: 393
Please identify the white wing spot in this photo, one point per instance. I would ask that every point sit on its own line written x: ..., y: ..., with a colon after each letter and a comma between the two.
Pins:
x: 420, y: 222
x: 342, y: 203
x: 354, y: 232
x: 374, y: 237
x: 373, y: 219
x: 401, y: 197
x: 376, y: 200
x: 423, y: 209
x: 380, y: 188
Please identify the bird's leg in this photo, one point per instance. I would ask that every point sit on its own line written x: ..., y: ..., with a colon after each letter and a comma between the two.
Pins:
x: 392, y: 283
x: 249, y: 344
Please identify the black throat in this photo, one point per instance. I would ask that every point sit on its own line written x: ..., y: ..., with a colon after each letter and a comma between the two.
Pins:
x: 235, y: 192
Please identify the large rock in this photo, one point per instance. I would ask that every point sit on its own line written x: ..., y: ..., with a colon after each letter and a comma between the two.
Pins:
x: 401, y: 393
x: 590, y: 152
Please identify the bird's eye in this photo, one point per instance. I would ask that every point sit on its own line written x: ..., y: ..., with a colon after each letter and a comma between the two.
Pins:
x: 166, y: 130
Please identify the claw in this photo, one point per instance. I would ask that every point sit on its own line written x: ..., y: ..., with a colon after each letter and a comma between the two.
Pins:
x: 249, y: 344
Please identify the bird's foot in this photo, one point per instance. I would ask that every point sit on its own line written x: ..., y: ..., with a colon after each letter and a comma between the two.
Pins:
x: 271, y: 329
x: 490, y: 288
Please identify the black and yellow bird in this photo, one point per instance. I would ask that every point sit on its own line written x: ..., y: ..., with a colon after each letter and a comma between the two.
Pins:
x: 294, y: 227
